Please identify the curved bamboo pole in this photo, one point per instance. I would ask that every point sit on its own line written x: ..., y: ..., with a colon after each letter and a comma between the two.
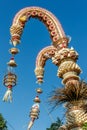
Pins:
x: 43, y: 56
x: 52, y: 23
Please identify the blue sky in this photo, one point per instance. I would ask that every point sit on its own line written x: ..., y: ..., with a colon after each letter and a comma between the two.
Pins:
x: 73, y: 17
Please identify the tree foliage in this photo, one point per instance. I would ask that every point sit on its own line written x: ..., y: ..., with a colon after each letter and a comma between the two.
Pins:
x: 55, y: 125
x: 84, y: 126
x: 3, y: 123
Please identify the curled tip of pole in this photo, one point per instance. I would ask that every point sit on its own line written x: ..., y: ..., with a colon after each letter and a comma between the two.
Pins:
x: 8, y: 95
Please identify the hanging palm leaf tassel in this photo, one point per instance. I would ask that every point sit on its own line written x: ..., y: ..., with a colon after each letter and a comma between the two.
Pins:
x: 34, y: 114
x: 35, y: 109
x: 30, y: 124
x: 10, y: 77
x: 8, y: 95
x: 9, y: 82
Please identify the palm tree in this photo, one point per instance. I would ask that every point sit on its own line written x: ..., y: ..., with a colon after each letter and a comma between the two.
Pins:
x: 55, y: 125
x: 3, y: 123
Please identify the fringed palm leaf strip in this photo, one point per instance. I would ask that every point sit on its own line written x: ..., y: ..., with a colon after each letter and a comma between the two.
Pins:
x: 68, y: 94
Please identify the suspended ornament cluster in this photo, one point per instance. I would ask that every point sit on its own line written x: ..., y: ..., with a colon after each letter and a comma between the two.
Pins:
x: 35, y: 110
x: 10, y: 79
